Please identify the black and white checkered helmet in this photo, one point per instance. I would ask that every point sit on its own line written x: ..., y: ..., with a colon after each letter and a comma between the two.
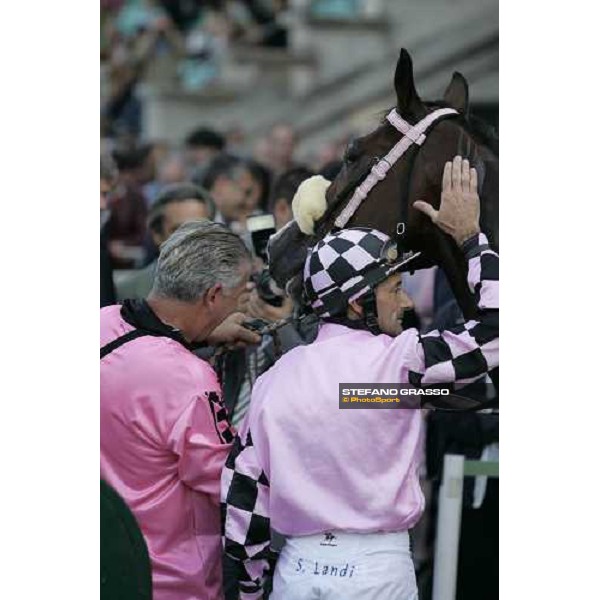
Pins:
x: 345, y: 265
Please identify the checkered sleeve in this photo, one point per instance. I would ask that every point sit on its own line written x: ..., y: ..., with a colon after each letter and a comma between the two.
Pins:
x: 201, y: 439
x: 245, y: 515
x: 465, y: 353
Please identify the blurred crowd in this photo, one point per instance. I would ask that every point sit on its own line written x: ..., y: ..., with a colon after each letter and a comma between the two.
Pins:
x: 193, y: 36
x: 233, y: 186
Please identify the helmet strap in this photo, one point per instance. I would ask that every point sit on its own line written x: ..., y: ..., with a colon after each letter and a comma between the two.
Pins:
x: 369, y: 304
x: 369, y: 320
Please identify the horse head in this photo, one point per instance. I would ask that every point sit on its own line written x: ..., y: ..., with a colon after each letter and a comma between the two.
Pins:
x: 416, y: 175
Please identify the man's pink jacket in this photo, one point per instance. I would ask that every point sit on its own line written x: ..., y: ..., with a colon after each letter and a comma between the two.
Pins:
x: 163, y: 442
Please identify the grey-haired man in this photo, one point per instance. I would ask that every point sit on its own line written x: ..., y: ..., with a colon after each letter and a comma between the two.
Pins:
x: 165, y: 433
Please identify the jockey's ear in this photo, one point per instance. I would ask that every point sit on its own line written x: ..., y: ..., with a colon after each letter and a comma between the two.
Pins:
x: 408, y: 101
x: 457, y: 94
x: 355, y: 310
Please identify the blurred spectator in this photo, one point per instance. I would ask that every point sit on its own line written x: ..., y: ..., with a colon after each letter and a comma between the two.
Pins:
x: 127, y: 224
x: 259, y: 22
x: 108, y: 179
x: 235, y: 137
x: 177, y: 204
x: 137, y: 16
x: 262, y: 151
x: 205, y: 47
x: 333, y: 151
x: 201, y: 146
x: 171, y: 169
x: 131, y: 37
x: 227, y: 181
x: 159, y: 151
x: 284, y: 189
x: 257, y: 180
x: 184, y: 13
x: 121, y: 111
x: 283, y: 140
x: 327, y: 154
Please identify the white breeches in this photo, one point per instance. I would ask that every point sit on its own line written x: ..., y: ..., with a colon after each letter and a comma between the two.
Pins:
x: 346, y: 566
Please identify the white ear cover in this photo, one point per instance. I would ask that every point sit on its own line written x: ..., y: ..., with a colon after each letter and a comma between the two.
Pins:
x: 309, y: 203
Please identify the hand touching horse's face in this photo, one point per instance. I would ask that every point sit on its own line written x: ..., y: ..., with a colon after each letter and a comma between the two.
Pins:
x: 417, y: 175
x: 408, y: 181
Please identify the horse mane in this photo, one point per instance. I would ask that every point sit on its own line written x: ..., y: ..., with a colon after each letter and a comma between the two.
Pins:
x: 481, y: 131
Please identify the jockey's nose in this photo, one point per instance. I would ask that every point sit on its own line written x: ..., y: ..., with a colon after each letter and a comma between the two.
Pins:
x: 406, y: 301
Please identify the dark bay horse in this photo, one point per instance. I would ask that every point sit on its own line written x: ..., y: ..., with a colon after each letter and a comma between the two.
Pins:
x: 417, y: 175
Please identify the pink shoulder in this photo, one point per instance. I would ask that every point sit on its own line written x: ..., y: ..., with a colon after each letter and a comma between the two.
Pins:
x: 112, y: 324
x: 204, y: 369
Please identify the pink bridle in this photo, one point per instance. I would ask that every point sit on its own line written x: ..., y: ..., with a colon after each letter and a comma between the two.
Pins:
x: 412, y: 134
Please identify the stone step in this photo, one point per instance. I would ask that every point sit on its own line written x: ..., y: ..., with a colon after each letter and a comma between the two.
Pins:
x: 272, y: 57
x: 288, y: 72
x: 170, y: 114
x: 353, y: 26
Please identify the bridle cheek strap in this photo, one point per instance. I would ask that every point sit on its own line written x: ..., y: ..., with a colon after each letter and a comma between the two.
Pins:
x: 411, y: 134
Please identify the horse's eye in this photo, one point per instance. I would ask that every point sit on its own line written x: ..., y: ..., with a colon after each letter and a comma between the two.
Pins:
x: 352, y: 152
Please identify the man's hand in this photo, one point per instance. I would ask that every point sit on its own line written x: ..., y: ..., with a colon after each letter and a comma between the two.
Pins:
x: 459, y: 207
x: 231, y: 332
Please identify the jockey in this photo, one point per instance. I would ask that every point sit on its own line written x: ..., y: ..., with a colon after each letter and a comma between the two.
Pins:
x: 342, y: 486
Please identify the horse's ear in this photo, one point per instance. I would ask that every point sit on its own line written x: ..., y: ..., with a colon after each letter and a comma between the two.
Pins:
x: 457, y: 94
x: 408, y: 101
